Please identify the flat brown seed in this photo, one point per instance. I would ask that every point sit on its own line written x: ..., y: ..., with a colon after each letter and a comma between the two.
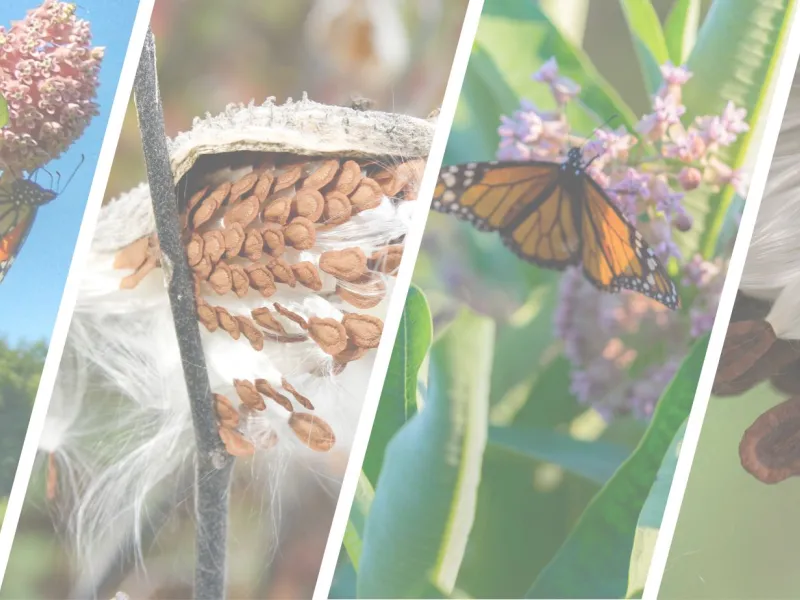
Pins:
x: 287, y: 176
x: 300, y: 233
x: 221, y: 193
x: 203, y: 268
x: 214, y: 245
x: 244, y: 185
x: 251, y: 332
x: 368, y: 195
x: 282, y: 310
x: 364, y: 330
x: 745, y: 343
x: 337, y: 210
x: 208, y: 317
x: 348, y: 178
x: 386, y: 259
x: 312, y: 431
x: 274, y: 243
x: 322, y: 176
x: 196, y: 197
x: 242, y: 212
x: 235, y: 443
x: 770, y: 448
x: 282, y: 271
x: 221, y: 279
x: 349, y: 264
x: 234, y: 239
x: 253, y: 247
x: 264, y: 387
x: 366, y: 293
x: 204, y: 211
x: 351, y: 353
x: 787, y: 380
x: 307, y: 274
x: 264, y: 185
x: 263, y: 316
x: 261, y: 279
x: 134, y: 254
x: 309, y: 203
x: 249, y: 394
x: 226, y: 413
x: 330, y: 334
x: 305, y: 402
x: 241, y: 281
x: 132, y: 280
x: 227, y: 322
x: 278, y: 208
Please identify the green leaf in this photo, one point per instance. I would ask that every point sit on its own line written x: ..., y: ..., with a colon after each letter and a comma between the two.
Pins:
x: 3, y: 111
x: 399, y: 396
x: 594, y: 560
x: 354, y: 533
x: 648, y: 40
x: 680, y: 29
x: 520, y: 38
x: 735, y: 58
x: 650, y: 519
x: 417, y: 529
x: 595, y: 461
x: 485, y: 96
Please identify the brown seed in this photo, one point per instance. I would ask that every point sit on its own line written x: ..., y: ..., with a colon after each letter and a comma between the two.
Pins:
x: 227, y: 322
x: 196, y: 197
x: 287, y: 176
x: 272, y: 234
x: 282, y: 271
x: 249, y: 394
x: 214, y: 244
x: 307, y: 274
x: 747, y: 308
x: 221, y: 193
x: 221, y: 279
x: 330, y: 334
x: 228, y: 416
x: 208, y: 317
x: 134, y: 254
x: 253, y: 246
x: 312, y: 431
x: 322, y: 176
x: 132, y: 280
x: 244, y: 185
x: 291, y: 315
x: 405, y: 178
x: 234, y: 238
x: 264, y: 185
x: 300, y: 233
x: 386, y: 259
x: 242, y: 212
x: 364, y: 330
x: 278, y: 208
x: 349, y: 354
x: 305, y: 402
x: 349, y: 264
x: 309, y: 204
x: 366, y: 293
x: 368, y: 195
x: 261, y: 279
x: 203, y: 213
x: 203, y: 268
x: 263, y: 316
x: 787, y: 380
x: 337, y: 208
x: 264, y: 387
x: 253, y: 334
x: 241, y: 280
x: 770, y: 448
x: 235, y: 443
x: 348, y: 178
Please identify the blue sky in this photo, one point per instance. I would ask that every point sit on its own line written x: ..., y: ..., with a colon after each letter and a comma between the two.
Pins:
x: 31, y: 292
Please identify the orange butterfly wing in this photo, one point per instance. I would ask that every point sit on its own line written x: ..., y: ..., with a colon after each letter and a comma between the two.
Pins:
x: 14, y: 238
x: 615, y: 256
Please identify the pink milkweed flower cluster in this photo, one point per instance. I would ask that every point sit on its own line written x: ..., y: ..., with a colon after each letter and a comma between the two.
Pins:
x: 625, y: 348
x: 48, y: 76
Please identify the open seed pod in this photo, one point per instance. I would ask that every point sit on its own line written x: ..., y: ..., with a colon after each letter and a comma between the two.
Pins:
x: 293, y: 222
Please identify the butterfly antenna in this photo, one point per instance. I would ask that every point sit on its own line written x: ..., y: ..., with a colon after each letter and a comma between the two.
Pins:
x: 75, y: 170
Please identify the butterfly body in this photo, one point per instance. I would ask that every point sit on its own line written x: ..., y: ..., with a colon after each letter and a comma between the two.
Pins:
x: 555, y: 216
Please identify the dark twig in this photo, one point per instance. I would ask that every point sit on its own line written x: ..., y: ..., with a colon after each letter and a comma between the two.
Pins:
x: 214, y: 465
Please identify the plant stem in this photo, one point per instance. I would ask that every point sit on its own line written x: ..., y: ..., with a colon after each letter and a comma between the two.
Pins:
x: 214, y: 465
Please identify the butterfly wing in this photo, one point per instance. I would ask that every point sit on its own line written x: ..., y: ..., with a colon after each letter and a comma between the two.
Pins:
x: 523, y: 201
x: 14, y: 238
x: 614, y: 254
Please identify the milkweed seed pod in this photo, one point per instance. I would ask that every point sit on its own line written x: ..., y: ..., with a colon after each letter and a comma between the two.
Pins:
x: 293, y: 220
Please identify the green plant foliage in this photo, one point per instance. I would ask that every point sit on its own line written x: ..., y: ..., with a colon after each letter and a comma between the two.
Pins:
x: 3, y: 111
x: 648, y: 40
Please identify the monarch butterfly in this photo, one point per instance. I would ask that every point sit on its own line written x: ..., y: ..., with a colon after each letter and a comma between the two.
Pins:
x: 555, y: 215
x: 20, y: 200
